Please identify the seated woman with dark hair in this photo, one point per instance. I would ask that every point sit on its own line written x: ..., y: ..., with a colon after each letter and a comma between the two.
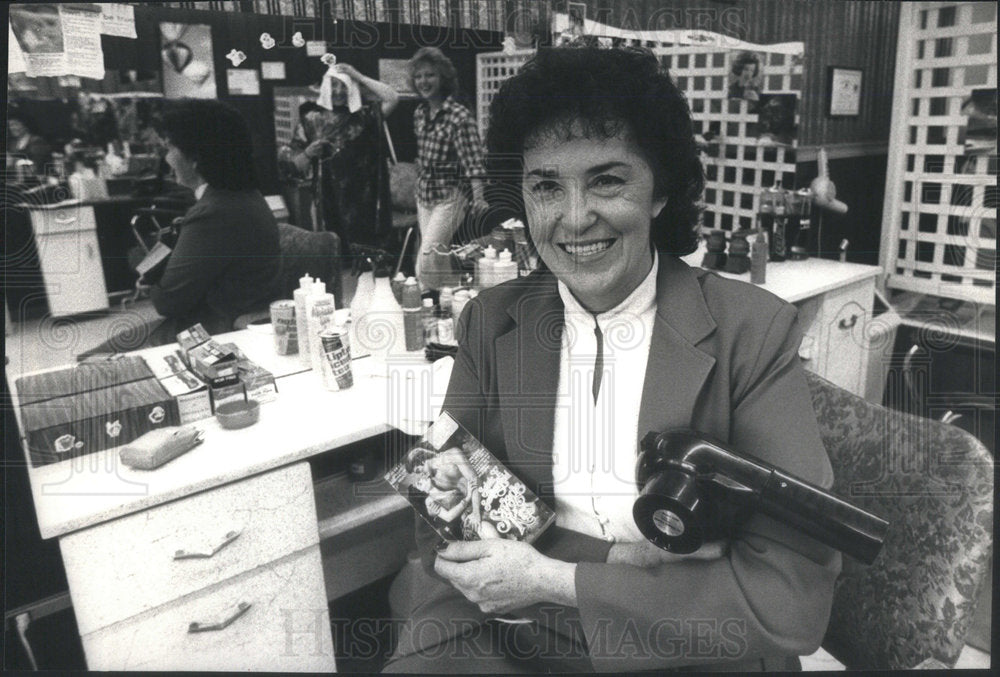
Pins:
x: 227, y: 260
x: 561, y: 372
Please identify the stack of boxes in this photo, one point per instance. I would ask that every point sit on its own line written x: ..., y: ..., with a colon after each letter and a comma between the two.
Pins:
x: 91, y: 407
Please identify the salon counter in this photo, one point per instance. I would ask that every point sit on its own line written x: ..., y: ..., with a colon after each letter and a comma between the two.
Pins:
x: 842, y: 340
x: 241, y: 505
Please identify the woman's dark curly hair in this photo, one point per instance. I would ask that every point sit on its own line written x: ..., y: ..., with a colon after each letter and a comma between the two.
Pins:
x: 745, y: 59
x: 603, y: 89
x: 215, y: 136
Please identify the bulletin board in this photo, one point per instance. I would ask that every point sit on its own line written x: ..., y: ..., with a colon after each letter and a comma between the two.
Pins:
x: 939, y: 222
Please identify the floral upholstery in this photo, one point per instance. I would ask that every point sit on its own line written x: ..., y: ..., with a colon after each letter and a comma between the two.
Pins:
x: 934, y: 484
x: 316, y: 253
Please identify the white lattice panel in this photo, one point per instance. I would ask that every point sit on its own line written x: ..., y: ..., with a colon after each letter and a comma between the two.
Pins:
x: 491, y: 70
x: 743, y: 168
x: 939, y: 223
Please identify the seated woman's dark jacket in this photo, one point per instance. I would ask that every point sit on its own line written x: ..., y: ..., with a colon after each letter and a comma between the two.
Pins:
x: 227, y: 262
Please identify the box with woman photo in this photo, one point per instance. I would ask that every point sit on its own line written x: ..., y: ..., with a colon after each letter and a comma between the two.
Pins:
x: 463, y: 491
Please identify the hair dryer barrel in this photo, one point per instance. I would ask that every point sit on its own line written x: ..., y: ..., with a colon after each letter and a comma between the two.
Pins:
x: 823, y: 516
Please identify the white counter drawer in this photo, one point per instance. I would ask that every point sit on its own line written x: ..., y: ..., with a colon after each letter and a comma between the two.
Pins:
x: 286, y: 627
x: 63, y: 219
x: 124, y: 567
x: 844, y: 342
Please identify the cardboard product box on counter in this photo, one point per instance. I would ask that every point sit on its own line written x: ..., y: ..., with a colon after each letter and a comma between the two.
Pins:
x: 203, y: 374
x: 82, y: 423
x: 189, y: 392
x: 258, y: 382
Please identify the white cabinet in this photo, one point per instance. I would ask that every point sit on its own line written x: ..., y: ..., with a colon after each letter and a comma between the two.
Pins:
x: 835, y: 340
x: 70, y: 259
x: 241, y: 560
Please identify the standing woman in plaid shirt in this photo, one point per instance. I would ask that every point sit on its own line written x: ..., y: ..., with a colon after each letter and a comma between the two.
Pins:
x: 449, y: 160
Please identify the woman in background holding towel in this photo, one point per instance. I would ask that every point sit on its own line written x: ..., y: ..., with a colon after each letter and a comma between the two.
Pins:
x: 348, y: 151
x: 449, y: 161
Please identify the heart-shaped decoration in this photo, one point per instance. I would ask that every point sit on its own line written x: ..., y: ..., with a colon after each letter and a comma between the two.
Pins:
x: 172, y: 32
x: 328, y: 59
x: 266, y: 41
x: 298, y: 40
x: 178, y: 55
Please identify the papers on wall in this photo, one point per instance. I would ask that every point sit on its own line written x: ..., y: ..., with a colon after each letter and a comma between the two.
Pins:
x: 243, y: 81
x: 59, y: 39
x: 315, y: 47
x: 272, y: 70
x: 118, y: 19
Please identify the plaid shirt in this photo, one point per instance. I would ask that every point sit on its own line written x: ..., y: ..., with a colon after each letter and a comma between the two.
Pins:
x: 448, y: 150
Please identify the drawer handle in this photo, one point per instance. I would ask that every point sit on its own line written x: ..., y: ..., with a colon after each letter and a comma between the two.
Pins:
x: 848, y: 324
x: 208, y: 552
x: 222, y: 624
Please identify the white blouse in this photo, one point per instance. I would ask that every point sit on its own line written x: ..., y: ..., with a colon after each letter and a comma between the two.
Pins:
x: 595, y: 446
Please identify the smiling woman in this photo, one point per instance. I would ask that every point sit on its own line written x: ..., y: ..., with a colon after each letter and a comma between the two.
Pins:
x: 559, y: 373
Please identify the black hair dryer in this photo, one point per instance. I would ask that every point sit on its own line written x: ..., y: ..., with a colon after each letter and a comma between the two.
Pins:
x: 693, y: 489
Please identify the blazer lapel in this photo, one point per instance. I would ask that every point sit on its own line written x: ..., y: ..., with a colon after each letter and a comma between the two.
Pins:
x: 528, y: 377
x: 676, y: 369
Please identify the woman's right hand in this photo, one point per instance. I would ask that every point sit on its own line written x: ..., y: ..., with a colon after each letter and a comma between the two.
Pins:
x: 315, y: 149
x: 645, y: 555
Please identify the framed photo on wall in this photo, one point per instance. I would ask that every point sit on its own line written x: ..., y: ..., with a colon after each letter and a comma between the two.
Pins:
x: 843, y: 91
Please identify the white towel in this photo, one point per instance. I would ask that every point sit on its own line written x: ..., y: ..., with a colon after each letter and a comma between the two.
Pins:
x: 325, y: 99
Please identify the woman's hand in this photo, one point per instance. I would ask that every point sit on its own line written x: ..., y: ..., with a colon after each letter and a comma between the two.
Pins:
x: 348, y: 70
x: 500, y: 575
x: 315, y: 149
x: 645, y: 555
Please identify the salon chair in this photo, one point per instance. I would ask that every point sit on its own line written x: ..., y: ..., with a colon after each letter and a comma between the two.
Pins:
x: 316, y: 253
x: 933, y: 482
x: 403, y: 193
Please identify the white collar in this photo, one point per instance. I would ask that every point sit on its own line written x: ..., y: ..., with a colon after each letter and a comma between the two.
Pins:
x: 640, y: 300
x: 200, y: 190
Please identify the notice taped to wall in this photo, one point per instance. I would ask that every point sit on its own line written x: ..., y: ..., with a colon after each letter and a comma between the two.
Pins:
x: 118, y: 19
x: 59, y: 39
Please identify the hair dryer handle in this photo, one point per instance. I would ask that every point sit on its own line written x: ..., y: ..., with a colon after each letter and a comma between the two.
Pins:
x: 823, y: 516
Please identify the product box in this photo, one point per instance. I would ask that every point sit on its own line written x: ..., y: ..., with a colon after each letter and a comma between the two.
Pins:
x: 189, y: 392
x: 458, y: 487
x: 258, y: 382
x: 81, y: 378
x: 211, y: 361
x: 82, y: 423
x: 230, y: 393
x: 192, y: 337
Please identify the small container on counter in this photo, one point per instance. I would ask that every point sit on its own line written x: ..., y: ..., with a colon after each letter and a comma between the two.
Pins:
x: 336, y: 368
x: 445, y: 328
x: 284, y: 326
x: 397, y: 287
x: 758, y: 258
x: 412, y: 315
x: 429, y: 321
x: 505, y: 267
